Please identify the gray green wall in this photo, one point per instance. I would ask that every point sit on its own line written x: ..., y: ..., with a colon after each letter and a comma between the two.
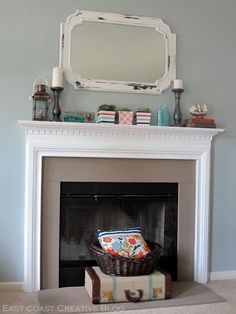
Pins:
x: 206, y: 50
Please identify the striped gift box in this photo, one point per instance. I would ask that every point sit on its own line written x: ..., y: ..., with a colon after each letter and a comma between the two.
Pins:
x: 106, y: 116
x: 143, y: 117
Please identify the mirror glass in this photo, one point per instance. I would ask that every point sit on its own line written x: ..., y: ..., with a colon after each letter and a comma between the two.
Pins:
x: 115, y: 52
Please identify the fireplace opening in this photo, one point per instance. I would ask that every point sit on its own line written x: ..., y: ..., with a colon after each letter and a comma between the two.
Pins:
x: 88, y: 206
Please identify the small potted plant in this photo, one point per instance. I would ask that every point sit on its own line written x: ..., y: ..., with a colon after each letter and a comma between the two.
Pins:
x: 125, y: 116
x: 106, y: 113
x: 143, y: 116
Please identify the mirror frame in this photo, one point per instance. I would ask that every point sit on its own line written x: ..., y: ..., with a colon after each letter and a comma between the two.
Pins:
x: 78, y: 82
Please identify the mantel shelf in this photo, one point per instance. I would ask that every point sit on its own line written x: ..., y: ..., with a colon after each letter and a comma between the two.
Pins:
x: 68, y: 128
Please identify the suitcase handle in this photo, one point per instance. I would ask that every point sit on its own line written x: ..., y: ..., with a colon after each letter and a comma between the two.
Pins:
x: 130, y: 295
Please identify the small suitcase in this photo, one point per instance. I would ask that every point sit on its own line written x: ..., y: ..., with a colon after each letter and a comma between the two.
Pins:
x: 103, y: 288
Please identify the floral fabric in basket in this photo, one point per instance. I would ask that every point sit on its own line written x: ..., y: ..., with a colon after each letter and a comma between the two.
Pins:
x: 128, y: 242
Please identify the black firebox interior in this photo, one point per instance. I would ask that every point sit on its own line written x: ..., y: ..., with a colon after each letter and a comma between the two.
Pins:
x: 88, y: 206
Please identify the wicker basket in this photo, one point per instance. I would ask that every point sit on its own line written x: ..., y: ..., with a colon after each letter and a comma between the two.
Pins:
x: 117, y: 265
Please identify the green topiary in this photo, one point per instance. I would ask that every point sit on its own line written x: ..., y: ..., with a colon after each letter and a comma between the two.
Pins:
x: 106, y: 107
x: 124, y: 109
x: 143, y: 109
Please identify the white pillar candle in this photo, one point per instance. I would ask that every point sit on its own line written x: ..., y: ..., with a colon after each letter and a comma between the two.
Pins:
x: 178, y: 84
x: 57, y: 75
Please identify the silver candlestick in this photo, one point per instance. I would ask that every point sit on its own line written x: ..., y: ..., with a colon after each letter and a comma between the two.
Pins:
x: 177, y: 116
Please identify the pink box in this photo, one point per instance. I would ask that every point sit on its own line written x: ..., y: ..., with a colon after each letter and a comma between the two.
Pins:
x: 125, y: 117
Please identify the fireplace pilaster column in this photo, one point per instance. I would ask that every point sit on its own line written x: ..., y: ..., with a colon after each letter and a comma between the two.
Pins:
x: 202, y: 212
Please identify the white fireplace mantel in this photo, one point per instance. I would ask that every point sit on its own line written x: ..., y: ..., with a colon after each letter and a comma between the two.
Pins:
x: 58, y: 139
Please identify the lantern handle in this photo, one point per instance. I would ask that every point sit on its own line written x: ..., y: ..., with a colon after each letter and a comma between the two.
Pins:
x: 34, y: 84
x: 37, y: 79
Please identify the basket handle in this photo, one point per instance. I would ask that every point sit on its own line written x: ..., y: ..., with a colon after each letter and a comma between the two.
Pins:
x: 130, y: 295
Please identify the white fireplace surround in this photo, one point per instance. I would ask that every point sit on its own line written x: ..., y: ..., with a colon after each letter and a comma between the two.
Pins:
x: 58, y: 139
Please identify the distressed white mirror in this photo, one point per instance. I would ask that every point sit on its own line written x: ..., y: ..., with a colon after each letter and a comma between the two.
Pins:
x: 115, y: 52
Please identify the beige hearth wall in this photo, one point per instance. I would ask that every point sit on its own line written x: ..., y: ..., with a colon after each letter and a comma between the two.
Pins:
x: 57, y: 169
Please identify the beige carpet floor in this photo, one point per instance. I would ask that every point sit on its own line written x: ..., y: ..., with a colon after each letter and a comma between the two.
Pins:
x: 218, y: 297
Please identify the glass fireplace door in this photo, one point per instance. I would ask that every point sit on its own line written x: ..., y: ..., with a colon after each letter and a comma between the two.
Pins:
x: 86, y: 207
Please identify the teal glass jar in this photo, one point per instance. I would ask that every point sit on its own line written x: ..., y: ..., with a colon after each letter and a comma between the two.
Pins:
x: 163, y: 115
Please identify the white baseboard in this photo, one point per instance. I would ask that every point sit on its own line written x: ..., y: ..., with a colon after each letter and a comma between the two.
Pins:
x: 11, y: 286
x: 223, y: 275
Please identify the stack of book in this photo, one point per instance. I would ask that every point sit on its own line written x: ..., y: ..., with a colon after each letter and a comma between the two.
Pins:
x: 200, y: 123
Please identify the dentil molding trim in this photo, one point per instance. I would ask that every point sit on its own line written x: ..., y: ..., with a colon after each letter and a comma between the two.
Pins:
x: 108, y: 130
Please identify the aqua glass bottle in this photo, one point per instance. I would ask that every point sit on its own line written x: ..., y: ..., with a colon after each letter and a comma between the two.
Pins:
x: 163, y: 116
x: 166, y: 115
x: 159, y: 115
